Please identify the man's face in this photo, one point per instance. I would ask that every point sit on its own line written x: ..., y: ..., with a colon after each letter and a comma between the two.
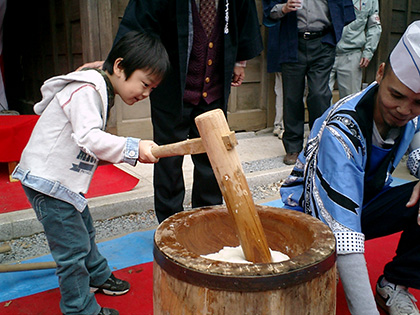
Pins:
x: 396, y: 104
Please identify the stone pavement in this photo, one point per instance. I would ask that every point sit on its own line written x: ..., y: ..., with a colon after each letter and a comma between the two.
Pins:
x: 254, y: 148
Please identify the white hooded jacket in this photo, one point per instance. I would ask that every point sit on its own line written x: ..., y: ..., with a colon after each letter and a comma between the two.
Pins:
x: 69, y: 138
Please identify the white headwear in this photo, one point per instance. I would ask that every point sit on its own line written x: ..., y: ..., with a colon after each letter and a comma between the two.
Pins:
x: 405, y: 58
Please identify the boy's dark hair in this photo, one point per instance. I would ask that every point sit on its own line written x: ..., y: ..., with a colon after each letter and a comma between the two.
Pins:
x: 139, y: 51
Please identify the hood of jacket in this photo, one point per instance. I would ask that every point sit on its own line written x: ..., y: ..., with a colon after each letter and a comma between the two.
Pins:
x: 54, y: 85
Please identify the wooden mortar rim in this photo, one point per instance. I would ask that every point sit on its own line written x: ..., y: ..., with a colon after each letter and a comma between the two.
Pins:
x: 190, y: 267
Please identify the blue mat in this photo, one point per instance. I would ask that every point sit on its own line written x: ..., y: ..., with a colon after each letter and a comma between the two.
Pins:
x: 129, y: 250
x: 275, y: 203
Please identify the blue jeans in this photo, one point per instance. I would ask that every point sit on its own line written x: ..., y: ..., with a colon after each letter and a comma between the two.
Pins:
x: 71, y: 238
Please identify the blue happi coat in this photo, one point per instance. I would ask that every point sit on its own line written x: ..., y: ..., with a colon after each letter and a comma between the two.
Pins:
x: 334, y: 178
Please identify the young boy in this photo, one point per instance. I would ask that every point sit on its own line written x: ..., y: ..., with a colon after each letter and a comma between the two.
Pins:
x: 65, y: 147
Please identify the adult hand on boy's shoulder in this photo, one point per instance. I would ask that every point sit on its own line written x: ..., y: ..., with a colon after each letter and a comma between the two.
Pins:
x: 94, y: 65
x: 145, y: 151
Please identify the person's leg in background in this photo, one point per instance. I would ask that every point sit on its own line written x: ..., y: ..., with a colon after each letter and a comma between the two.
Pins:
x: 168, y: 177
x: 278, y: 120
x: 333, y: 76
x: 293, y: 106
x: 349, y: 74
x: 205, y: 190
x: 293, y: 109
x: 294, y: 76
x: 320, y: 61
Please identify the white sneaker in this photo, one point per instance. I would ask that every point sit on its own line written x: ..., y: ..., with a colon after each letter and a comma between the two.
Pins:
x: 395, y: 299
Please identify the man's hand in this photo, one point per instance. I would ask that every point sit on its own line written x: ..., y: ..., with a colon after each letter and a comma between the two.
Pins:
x: 238, y: 76
x: 145, y: 151
x: 291, y: 5
x: 414, y: 199
x: 364, y: 62
x: 94, y: 65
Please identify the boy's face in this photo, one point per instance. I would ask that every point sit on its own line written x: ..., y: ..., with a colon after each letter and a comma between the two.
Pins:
x: 396, y: 104
x: 138, y: 86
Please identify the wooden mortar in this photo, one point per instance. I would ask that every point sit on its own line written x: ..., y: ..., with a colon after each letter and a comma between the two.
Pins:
x: 186, y: 283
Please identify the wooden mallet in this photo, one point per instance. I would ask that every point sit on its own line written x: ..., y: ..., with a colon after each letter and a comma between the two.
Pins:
x: 219, y: 143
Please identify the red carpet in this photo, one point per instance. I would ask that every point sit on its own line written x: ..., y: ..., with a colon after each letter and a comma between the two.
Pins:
x: 378, y: 252
x: 138, y: 301
x: 140, y: 298
x: 107, y: 180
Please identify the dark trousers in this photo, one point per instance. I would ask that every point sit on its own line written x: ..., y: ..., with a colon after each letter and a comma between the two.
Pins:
x: 315, y: 61
x: 387, y: 214
x: 168, y: 180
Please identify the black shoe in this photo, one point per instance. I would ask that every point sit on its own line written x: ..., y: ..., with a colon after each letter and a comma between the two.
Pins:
x: 290, y: 158
x: 112, y: 286
x: 108, y: 311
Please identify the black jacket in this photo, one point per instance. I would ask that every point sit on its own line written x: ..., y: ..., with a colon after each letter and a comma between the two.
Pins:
x: 169, y: 19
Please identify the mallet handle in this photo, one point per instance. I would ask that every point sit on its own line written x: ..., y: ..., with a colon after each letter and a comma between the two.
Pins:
x: 190, y: 146
x: 27, y: 266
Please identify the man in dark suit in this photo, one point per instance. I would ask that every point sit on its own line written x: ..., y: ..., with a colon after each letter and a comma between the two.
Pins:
x: 208, y: 42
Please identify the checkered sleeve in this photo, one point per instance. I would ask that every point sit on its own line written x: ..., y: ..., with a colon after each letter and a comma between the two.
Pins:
x: 413, y: 162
